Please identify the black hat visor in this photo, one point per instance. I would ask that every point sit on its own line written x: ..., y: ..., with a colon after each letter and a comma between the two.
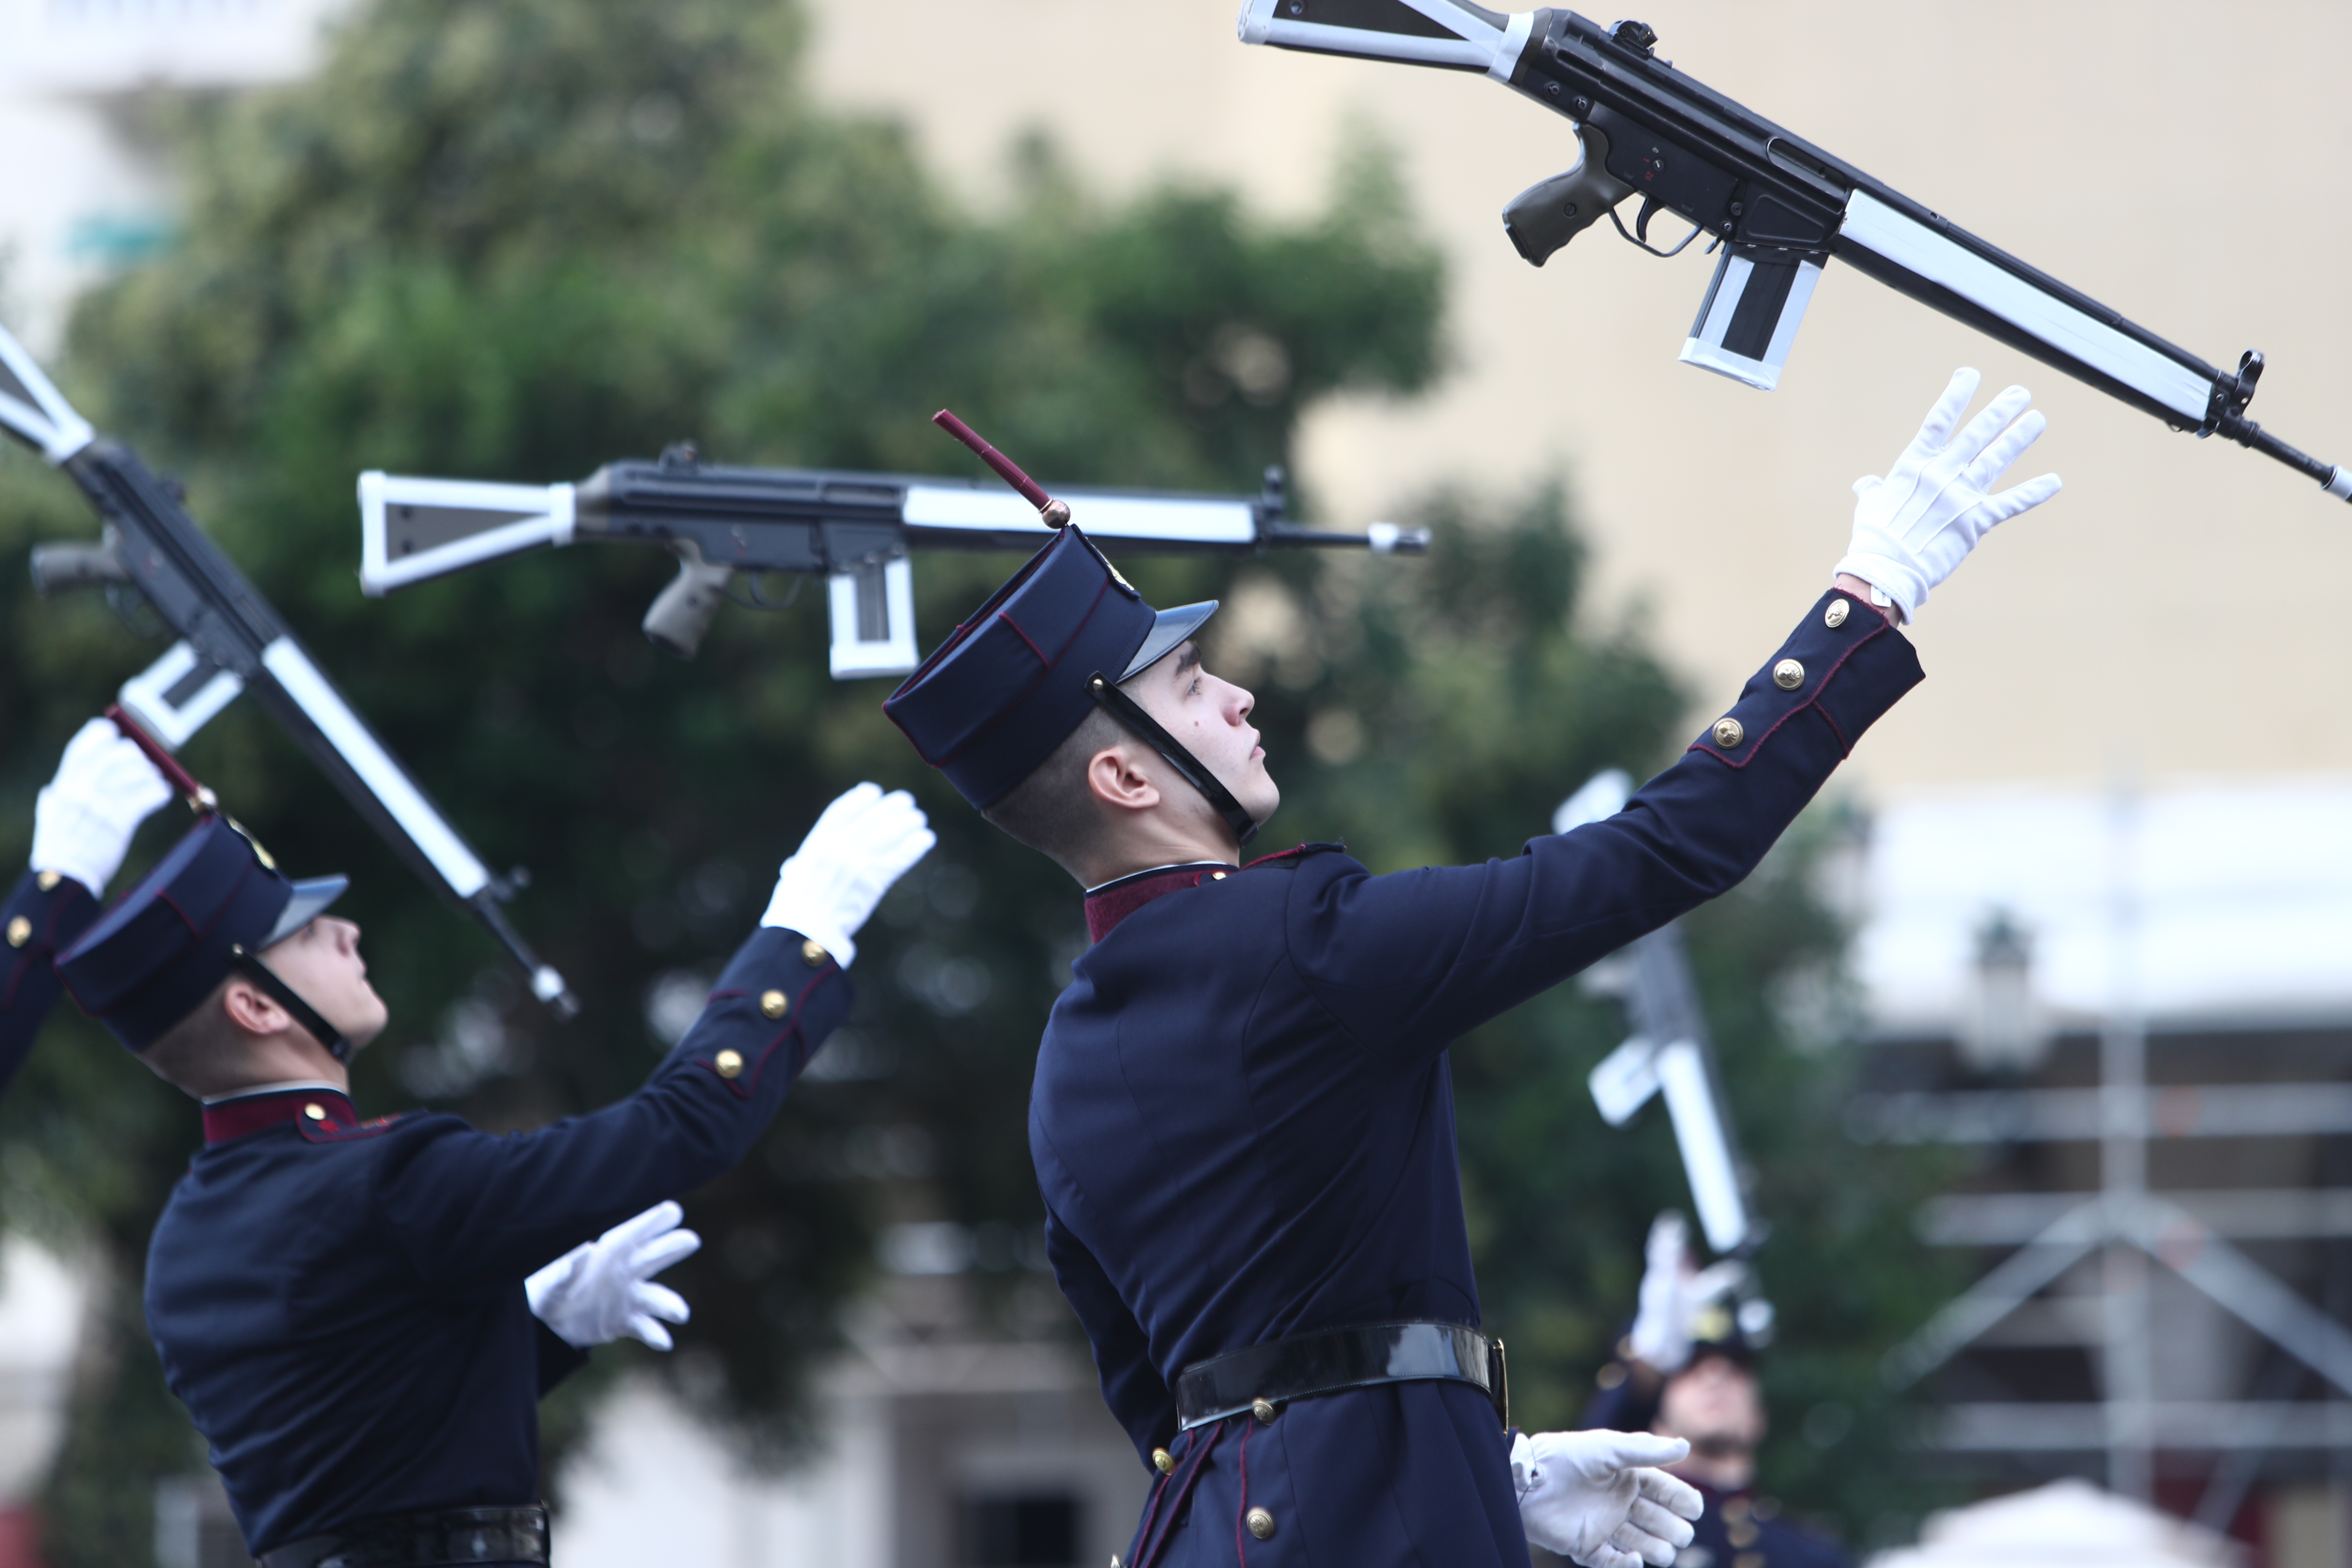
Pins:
x: 1169, y: 630
x: 311, y: 899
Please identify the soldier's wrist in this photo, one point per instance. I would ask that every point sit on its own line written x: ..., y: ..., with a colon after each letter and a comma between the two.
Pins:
x: 1847, y: 583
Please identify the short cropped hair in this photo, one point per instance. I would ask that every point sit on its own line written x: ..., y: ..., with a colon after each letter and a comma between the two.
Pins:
x: 194, y: 1051
x: 1053, y: 811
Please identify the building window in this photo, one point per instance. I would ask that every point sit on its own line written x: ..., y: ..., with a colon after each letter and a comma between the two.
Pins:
x: 1029, y: 1529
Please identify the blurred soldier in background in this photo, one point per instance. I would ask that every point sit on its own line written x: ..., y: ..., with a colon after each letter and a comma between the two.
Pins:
x: 1686, y: 1371
x: 345, y: 1307
x: 82, y: 824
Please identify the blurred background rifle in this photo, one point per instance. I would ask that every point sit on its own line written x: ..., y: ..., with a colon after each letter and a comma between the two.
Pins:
x: 857, y: 530
x: 232, y: 641
x: 1670, y: 1054
x: 1777, y: 206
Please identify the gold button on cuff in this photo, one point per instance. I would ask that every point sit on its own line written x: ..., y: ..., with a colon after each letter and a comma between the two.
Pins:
x: 1218, y: 876
x: 1610, y: 1377
x: 1835, y: 616
x: 813, y: 954
x: 1787, y: 675
x: 1730, y: 733
x: 1260, y: 1522
x: 315, y: 1111
x: 1741, y: 1532
x: 1748, y: 1560
x: 729, y: 1063
x: 20, y: 932
x: 47, y: 881
x: 1263, y: 1409
x: 774, y: 1003
x: 1162, y: 1461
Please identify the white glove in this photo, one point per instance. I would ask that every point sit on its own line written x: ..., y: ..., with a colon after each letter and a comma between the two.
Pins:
x: 1594, y: 1497
x: 83, y: 821
x: 1912, y: 527
x: 1675, y: 1291
x: 599, y: 1290
x: 864, y: 842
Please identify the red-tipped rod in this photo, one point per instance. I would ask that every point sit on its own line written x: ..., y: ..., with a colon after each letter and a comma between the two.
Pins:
x: 1056, y: 514
x: 199, y: 798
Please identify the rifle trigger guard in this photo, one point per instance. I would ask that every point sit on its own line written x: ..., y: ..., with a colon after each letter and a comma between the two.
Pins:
x: 1639, y: 235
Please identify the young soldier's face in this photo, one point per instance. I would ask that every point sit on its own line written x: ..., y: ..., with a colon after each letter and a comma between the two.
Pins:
x: 1210, y: 717
x: 321, y: 962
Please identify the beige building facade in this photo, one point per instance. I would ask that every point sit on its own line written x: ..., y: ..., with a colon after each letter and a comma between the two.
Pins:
x: 2177, y: 612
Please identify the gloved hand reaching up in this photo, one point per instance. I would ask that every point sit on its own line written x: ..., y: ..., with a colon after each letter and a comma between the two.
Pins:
x: 1675, y: 1291
x: 602, y: 1289
x: 865, y: 841
x: 1597, y: 1499
x: 83, y: 821
x: 1912, y: 528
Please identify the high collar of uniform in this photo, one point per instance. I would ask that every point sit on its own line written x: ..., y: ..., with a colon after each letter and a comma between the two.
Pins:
x: 1114, y: 902
x: 250, y: 1114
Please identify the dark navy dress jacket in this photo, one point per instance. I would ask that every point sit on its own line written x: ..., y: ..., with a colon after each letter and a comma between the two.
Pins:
x: 1243, y: 1123
x: 47, y: 913
x: 339, y: 1303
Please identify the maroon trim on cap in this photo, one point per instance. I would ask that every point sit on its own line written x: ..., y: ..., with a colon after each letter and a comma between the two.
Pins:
x: 1107, y: 906
x: 252, y: 1113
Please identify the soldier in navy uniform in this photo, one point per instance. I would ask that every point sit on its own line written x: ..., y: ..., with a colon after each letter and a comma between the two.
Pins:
x: 1242, y: 1121
x: 1688, y: 1370
x: 346, y: 1307
x: 82, y: 824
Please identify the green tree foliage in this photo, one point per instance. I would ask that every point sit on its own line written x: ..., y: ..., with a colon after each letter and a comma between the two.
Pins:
x: 516, y: 241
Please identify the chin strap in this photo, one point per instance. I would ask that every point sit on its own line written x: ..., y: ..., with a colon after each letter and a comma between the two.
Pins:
x: 1145, y: 728
x: 249, y: 965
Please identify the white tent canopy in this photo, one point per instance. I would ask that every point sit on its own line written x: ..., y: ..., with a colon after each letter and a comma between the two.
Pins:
x: 2066, y: 1524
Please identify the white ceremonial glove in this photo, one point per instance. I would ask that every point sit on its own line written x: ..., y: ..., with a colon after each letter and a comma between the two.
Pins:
x: 1675, y: 1291
x: 864, y: 842
x: 601, y: 1289
x: 1912, y: 527
x: 1596, y: 1497
x: 83, y: 821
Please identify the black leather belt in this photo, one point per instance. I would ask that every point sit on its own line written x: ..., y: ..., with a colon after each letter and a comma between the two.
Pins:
x: 444, y: 1538
x: 1339, y: 1359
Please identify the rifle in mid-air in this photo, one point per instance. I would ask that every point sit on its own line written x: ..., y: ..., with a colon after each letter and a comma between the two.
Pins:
x: 1778, y: 207
x: 1670, y: 1054
x: 231, y: 640
x: 855, y: 530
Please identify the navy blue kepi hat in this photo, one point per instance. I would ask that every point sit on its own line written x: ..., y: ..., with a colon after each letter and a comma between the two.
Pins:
x: 152, y: 958
x: 1010, y: 684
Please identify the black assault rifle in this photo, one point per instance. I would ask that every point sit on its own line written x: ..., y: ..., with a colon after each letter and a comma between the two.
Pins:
x: 232, y: 641
x: 1778, y: 206
x: 855, y: 530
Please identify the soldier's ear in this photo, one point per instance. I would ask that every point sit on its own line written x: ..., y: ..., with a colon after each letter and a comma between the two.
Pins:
x: 251, y: 1009
x: 1117, y: 777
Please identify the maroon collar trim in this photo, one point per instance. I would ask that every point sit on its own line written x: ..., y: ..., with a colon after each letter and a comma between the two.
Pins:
x: 1114, y: 902
x: 253, y: 1113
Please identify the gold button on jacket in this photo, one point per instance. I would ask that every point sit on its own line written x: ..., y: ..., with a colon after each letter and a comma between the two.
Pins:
x: 1787, y: 675
x: 1162, y: 1461
x: 47, y: 881
x: 20, y: 932
x: 1730, y: 733
x: 729, y: 1063
x: 315, y: 1111
x: 1260, y: 1522
x: 773, y: 1004
x: 813, y: 954
x: 1835, y: 616
x: 1263, y: 1409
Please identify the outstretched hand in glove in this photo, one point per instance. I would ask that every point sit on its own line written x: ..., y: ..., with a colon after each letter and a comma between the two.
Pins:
x: 1598, y: 1497
x: 1912, y: 528
x: 83, y: 821
x: 865, y: 841
x: 603, y: 1289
